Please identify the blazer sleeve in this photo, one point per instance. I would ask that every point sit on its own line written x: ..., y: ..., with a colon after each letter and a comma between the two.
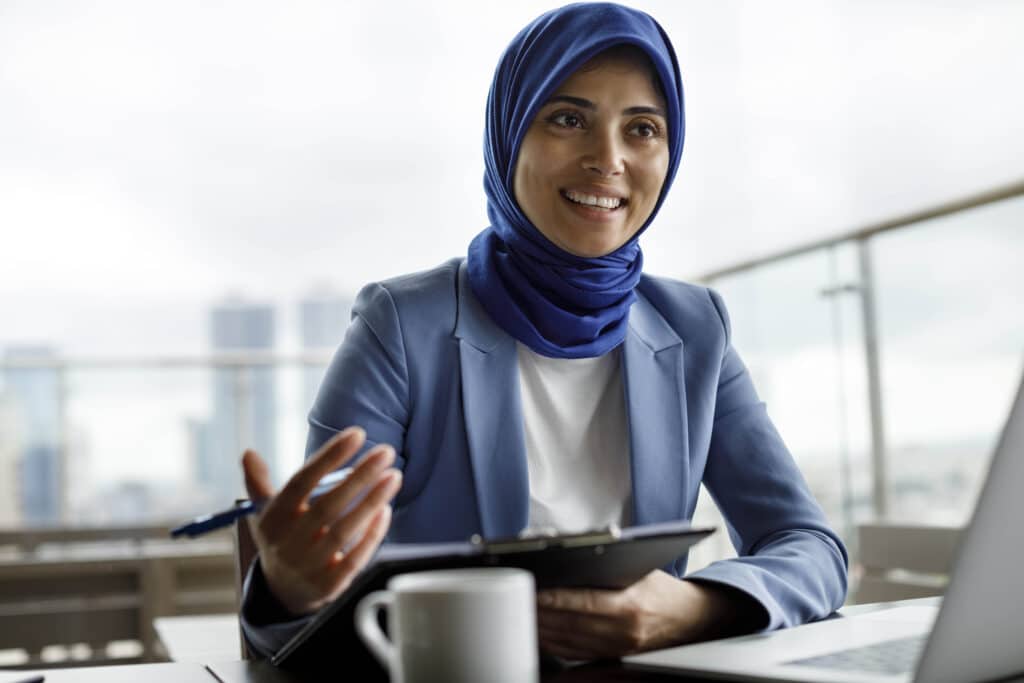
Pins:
x: 789, y: 559
x: 366, y: 384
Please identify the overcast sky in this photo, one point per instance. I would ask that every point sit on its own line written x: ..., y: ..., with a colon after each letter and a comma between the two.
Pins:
x: 157, y: 156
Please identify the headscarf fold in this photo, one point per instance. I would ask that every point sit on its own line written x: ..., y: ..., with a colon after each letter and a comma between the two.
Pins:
x: 559, y: 304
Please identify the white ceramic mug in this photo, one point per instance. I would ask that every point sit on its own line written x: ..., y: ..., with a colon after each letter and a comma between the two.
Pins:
x: 456, y: 626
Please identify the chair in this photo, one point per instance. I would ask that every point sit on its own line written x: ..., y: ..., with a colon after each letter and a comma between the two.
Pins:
x: 245, y: 553
x: 902, y: 561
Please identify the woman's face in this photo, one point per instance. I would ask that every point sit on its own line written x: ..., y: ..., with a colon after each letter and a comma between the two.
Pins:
x: 592, y: 163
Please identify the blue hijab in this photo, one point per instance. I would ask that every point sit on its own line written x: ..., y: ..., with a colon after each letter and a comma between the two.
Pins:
x: 559, y: 304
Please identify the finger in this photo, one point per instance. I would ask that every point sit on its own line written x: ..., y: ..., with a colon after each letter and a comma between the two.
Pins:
x: 351, y: 526
x: 257, y: 476
x: 326, y: 509
x: 582, y: 600
x: 257, y: 484
x: 557, y: 620
x: 335, y: 452
x: 344, y: 569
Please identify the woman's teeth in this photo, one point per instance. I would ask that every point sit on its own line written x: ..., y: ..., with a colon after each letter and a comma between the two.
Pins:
x: 590, y: 200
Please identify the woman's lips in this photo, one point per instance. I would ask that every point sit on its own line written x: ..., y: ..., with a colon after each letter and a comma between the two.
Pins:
x: 598, y: 199
x: 593, y: 213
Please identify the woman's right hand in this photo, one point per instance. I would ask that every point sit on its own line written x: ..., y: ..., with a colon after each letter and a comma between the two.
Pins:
x: 310, y: 551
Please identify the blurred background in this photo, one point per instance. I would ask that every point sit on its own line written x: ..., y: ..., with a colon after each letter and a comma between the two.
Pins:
x: 191, y: 194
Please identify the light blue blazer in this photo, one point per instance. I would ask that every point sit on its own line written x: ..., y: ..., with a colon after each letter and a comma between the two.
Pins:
x: 424, y: 368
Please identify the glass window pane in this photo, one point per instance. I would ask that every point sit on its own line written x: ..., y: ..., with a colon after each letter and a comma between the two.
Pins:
x: 951, y: 340
x: 797, y: 325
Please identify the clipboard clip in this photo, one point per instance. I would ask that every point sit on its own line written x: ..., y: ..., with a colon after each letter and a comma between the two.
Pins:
x: 532, y: 540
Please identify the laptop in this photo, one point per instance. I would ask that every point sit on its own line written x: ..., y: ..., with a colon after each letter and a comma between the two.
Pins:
x: 977, y: 634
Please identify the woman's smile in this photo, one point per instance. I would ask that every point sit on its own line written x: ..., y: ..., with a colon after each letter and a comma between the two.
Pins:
x: 592, y: 164
x: 594, y: 199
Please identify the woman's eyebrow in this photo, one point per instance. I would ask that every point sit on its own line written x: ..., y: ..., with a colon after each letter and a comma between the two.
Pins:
x: 587, y: 104
x: 633, y: 111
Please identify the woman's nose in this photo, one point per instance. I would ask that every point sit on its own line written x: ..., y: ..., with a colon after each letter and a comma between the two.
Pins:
x: 604, y: 155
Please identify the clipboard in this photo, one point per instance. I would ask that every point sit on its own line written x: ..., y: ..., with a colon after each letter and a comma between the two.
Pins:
x: 607, y: 558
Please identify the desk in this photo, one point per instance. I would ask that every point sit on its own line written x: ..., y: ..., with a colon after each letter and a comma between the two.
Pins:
x: 172, y: 672
x: 190, y: 637
x: 200, y: 639
x: 215, y: 637
x: 262, y: 672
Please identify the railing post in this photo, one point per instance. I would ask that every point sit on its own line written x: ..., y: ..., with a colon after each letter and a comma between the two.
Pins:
x: 874, y: 377
x: 834, y: 290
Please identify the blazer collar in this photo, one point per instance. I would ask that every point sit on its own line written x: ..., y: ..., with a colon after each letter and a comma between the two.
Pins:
x: 473, y: 324
x: 493, y: 417
x: 653, y: 373
x: 649, y: 327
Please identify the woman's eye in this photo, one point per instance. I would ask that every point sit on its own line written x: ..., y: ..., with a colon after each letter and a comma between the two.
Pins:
x: 567, y: 120
x: 646, y: 130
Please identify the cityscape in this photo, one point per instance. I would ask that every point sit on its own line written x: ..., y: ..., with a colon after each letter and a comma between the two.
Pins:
x: 41, y: 465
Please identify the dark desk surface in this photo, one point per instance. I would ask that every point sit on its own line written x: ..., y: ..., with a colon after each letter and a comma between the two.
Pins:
x: 610, y: 672
x: 228, y: 671
x: 262, y: 672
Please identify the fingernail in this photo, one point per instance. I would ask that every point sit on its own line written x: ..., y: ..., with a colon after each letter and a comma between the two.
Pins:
x: 349, y: 432
x: 384, y: 451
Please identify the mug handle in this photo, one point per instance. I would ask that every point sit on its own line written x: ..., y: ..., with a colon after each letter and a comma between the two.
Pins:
x: 368, y: 627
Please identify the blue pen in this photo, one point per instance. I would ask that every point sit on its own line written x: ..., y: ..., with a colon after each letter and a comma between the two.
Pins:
x: 206, y: 523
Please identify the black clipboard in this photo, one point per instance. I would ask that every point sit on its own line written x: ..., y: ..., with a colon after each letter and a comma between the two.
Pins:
x: 609, y: 558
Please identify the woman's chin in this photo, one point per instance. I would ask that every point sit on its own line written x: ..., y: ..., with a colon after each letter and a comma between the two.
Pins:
x: 593, y: 247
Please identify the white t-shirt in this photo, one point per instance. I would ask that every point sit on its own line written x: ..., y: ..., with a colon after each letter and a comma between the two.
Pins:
x: 577, y: 441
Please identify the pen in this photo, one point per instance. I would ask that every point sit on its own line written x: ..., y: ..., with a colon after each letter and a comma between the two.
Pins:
x: 206, y: 523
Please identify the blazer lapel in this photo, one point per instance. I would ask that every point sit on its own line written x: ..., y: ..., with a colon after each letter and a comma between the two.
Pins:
x: 655, y: 405
x: 493, y: 417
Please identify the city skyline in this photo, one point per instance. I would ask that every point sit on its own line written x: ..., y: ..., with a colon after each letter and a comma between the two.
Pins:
x: 38, y: 462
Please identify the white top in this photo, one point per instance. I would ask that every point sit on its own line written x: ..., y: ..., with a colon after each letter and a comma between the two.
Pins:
x: 577, y: 441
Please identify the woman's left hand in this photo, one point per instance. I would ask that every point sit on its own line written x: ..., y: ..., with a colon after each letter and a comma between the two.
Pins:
x: 655, y: 612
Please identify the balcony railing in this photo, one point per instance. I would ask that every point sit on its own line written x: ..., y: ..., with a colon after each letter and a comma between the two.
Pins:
x: 887, y: 357
x: 71, y: 596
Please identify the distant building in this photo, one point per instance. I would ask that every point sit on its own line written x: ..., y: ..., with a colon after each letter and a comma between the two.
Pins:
x: 10, y: 509
x: 323, y: 317
x: 244, y: 399
x: 126, y: 501
x: 198, y: 435
x: 32, y: 386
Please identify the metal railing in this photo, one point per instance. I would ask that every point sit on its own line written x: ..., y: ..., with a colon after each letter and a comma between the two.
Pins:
x: 70, y: 597
x: 866, y: 290
x: 243, y: 365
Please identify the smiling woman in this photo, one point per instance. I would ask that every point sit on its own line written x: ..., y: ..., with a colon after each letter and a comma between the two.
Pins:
x: 541, y: 382
x: 593, y: 163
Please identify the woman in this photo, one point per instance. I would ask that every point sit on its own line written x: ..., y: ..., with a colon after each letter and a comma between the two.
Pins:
x: 545, y: 381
